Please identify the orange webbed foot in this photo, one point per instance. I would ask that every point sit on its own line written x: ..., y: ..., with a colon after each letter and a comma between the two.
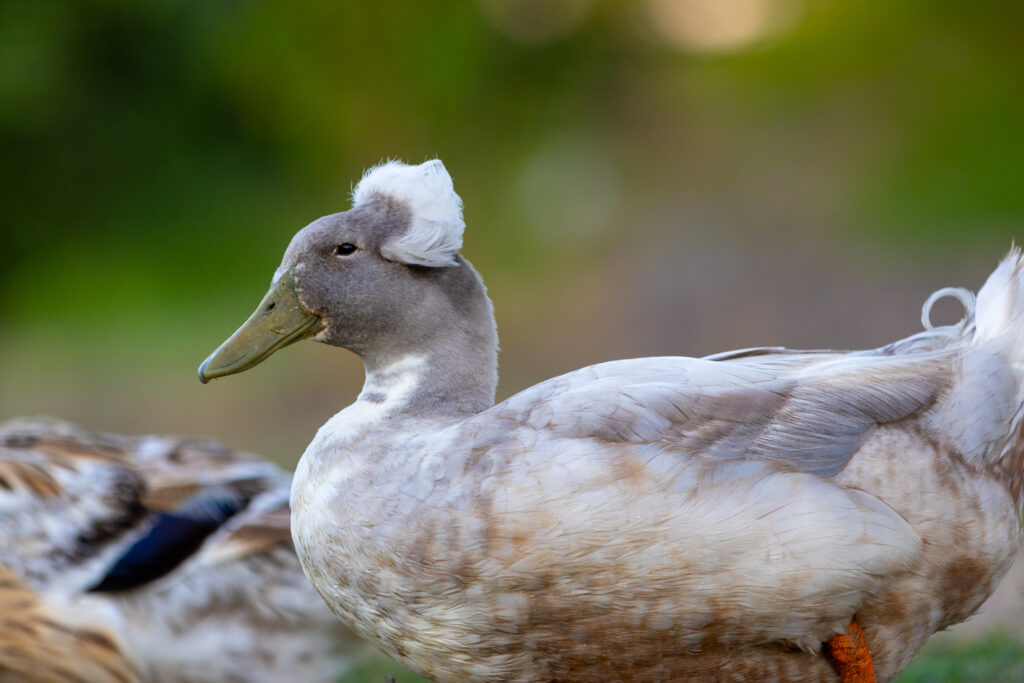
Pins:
x: 848, y: 652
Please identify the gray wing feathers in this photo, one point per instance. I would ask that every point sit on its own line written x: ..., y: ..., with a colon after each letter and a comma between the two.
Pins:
x: 827, y: 418
x: 813, y: 414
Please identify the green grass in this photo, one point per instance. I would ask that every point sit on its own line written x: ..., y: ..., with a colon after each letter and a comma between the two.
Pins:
x: 995, y: 658
x: 376, y: 669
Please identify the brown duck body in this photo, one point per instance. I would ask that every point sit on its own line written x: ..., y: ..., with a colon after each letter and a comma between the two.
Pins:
x: 151, y: 559
x: 51, y: 643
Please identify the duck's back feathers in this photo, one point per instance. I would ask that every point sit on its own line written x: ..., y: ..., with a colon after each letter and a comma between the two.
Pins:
x: 812, y: 412
x: 115, y: 511
x: 69, y: 505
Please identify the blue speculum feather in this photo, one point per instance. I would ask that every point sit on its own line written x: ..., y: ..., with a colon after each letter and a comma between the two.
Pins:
x: 172, y: 539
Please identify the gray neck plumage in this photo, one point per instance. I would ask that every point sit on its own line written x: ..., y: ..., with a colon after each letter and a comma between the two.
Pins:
x: 451, y: 372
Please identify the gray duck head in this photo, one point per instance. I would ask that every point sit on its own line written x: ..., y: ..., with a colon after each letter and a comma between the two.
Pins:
x: 383, y: 279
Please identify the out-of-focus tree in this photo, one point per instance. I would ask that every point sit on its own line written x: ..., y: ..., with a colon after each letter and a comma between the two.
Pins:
x: 149, y: 137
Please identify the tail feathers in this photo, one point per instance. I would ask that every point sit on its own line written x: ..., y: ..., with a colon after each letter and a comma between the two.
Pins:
x: 985, y: 409
x: 999, y: 315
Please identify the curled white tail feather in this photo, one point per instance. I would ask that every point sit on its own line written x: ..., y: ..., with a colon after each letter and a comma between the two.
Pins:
x: 964, y: 296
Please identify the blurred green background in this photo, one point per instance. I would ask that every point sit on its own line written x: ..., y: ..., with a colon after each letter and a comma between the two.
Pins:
x: 640, y: 177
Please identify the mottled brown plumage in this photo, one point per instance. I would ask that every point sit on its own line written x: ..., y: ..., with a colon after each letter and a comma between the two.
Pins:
x: 54, y: 643
x: 151, y: 559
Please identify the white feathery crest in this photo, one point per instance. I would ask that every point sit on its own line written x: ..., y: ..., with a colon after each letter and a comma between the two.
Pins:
x: 435, y: 234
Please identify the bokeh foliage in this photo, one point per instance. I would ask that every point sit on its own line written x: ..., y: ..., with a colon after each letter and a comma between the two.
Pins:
x: 158, y: 149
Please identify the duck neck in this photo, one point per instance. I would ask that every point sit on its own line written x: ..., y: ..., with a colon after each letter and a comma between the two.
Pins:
x: 452, y: 371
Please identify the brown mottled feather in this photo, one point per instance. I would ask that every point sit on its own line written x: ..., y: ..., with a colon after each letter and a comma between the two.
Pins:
x: 30, y: 477
x: 239, y: 608
x: 50, y: 643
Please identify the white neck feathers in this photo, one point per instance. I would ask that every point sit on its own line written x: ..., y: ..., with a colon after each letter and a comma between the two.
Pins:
x: 386, y: 391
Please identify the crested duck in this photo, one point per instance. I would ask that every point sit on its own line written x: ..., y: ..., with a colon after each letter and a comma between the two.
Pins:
x: 755, y: 515
x: 152, y: 559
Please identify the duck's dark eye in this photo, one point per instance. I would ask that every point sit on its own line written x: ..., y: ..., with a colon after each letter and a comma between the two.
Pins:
x: 345, y: 249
